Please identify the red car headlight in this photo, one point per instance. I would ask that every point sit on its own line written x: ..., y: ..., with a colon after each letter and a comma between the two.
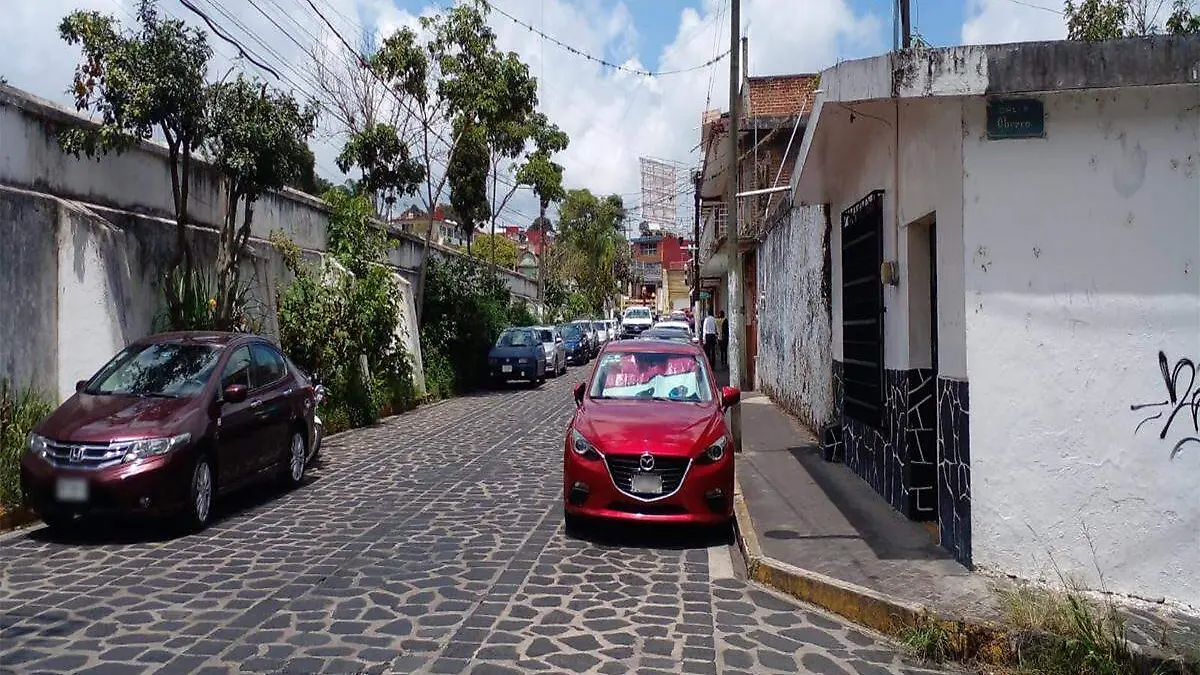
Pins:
x: 583, y: 447
x: 715, y: 452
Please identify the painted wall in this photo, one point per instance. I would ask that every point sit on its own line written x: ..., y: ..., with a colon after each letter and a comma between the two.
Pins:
x: 1082, y: 255
x: 794, y: 327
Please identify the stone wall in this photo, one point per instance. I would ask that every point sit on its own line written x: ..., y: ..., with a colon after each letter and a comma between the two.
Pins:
x: 794, y: 333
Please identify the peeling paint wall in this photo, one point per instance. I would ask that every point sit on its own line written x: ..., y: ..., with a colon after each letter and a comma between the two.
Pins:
x: 1082, y: 254
x: 795, y: 351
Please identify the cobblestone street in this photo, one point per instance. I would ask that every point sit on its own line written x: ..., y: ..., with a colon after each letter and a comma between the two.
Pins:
x: 431, y: 543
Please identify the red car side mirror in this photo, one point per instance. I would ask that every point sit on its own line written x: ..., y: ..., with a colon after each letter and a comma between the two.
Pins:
x: 730, y: 396
x: 81, y: 385
x: 580, y: 389
x: 234, y: 393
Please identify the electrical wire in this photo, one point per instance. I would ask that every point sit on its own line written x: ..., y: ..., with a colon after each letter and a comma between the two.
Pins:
x: 578, y: 52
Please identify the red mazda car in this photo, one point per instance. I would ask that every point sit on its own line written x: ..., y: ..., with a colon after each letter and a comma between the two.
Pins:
x: 649, y: 440
x: 167, y: 426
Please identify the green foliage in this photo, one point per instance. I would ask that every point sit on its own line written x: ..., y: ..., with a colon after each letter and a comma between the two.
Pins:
x: 338, y: 320
x: 258, y: 143
x: 137, y: 82
x: 1183, y: 20
x: 467, y: 173
x: 498, y: 247
x: 388, y: 168
x: 20, y: 411
x: 195, y: 307
x: 466, y: 307
x: 1095, y: 20
x: 308, y: 181
x: 592, y: 246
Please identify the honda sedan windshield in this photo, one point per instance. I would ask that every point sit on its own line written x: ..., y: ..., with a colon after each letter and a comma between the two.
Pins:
x: 164, y: 370
x: 651, y: 376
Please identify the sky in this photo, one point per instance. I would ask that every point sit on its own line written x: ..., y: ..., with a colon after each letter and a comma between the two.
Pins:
x: 613, y: 116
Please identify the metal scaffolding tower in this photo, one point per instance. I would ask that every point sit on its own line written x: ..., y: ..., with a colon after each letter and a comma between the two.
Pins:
x: 659, y: 193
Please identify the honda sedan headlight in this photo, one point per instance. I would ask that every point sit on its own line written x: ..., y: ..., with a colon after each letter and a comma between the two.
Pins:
x: 152, y: 447
x: 36, y: 445
x: 582, y: 446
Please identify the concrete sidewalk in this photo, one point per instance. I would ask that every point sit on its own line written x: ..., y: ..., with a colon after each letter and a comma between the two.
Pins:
x: 815, y: 530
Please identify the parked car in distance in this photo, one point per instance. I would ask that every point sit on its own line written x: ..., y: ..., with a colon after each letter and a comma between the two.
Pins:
x: 576, y: 344
x: 602, y: 334
x: 593, y: 337
x: 170, y: 424
x: 677, y: 325
x: 517, y: 355
x: 648, y: 441
x: 634, y: 321
x: 669, y: 333
x: 556, y: 353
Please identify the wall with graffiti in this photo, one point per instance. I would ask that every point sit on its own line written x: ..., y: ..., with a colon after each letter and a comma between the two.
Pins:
x: 1083, y: 338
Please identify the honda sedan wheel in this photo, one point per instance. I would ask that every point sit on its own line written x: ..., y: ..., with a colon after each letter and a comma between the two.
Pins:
x: 200, y: 507
x: 297, y: 460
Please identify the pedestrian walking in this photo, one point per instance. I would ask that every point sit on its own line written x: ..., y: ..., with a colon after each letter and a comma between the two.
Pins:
x: 723, y: 338
x: 709, y: 331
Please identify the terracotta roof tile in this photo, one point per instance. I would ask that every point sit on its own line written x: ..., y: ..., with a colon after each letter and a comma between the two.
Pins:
x: 782, y: 95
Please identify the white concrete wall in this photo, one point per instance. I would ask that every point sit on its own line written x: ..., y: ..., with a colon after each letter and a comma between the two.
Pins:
x: 862, y: 155
x: 1082, y: 255
x: 794, y: 332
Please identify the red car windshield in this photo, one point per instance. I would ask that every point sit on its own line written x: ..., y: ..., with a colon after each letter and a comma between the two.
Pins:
x: 162, y: 370
x: 651, y: 376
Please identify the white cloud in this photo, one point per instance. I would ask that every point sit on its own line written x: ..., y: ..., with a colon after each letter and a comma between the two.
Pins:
x: 1001, y: 21
x: 611, y: 116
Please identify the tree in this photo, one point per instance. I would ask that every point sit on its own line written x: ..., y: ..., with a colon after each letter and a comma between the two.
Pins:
x: 457, y: 84
x: 499, y: 248
x: 1095, y: 20
x: 141, y: 82
x: 309, y: 181
x: 467, y: 174
x: 544, y: 175
x: 593, y: 244
x: 259, y: 143
x: 388, y: 169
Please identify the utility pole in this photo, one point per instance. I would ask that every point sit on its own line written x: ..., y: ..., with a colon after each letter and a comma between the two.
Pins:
x: 736, y: 322
x: 697, y: 181
x: 905, y: 24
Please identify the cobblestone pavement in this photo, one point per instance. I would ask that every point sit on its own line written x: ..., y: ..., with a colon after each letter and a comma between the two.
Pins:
x: 431, y: 543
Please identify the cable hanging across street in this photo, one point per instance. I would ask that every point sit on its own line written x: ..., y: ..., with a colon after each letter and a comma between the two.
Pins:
x: 603, y: 62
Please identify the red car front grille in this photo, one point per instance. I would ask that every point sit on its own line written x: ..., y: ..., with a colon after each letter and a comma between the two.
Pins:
x: 670, y: 469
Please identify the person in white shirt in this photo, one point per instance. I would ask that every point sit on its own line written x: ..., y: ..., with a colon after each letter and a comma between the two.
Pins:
x: 709, y: 331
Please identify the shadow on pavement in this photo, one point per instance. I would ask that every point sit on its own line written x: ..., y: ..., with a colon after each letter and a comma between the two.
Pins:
x: 653, y: 536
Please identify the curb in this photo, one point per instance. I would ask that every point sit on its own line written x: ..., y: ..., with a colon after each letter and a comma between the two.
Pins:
x: 970, y: 640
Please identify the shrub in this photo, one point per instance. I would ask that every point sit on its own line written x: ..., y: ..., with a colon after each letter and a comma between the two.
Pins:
x: 466, y: 307
x: 20, y: 411
x: 338, y: 320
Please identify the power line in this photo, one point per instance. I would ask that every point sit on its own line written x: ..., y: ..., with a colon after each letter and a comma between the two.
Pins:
x: 1033, y: 6
x: 597, y: 59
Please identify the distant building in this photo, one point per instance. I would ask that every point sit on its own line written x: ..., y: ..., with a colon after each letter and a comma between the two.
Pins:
x: 446, y: 229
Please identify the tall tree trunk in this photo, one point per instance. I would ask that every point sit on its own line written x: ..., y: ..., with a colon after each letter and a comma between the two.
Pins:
x: 541, y: 277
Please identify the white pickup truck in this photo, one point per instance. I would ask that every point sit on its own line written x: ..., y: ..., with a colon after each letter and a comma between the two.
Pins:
x: 634, y: 321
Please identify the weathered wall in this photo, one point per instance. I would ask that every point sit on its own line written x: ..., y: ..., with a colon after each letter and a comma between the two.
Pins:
x: 138, y: 181
x: 1082, y: 258
x: 795, y: 355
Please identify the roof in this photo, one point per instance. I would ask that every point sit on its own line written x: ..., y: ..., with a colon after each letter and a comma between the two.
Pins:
x: 210, y: 337
x: 651, y: 347
x: 782, y: 95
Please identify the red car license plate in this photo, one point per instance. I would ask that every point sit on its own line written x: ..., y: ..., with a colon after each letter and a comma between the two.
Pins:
x: 647, y: 484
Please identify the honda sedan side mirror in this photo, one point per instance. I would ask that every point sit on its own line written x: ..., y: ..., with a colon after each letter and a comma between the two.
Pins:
x: 579, y: 391
x: 234, y: 393
x: 730, y: 396
x: 81, y: 385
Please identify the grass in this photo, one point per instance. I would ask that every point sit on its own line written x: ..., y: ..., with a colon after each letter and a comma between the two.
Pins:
x: 929, y: 640
x: 20, y: 411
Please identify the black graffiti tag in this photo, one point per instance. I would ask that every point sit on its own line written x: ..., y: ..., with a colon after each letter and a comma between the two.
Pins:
x: 1180, y: 399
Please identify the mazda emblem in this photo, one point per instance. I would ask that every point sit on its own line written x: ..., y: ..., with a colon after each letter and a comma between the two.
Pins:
x: 646, y: 462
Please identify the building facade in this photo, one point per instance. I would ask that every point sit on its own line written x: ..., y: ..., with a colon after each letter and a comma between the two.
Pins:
x: 1015, y: 299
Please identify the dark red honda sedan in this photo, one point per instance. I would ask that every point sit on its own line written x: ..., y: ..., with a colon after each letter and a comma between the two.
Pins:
x: 169, y: 424
x: 649, y: 440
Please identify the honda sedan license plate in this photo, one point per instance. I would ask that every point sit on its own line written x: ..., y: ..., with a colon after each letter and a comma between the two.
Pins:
x: 71, y: 490
x: 647, y: 483
x: 506, y: 369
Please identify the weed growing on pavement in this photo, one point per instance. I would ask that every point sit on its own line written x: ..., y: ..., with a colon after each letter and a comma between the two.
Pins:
x: 929, y: 640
